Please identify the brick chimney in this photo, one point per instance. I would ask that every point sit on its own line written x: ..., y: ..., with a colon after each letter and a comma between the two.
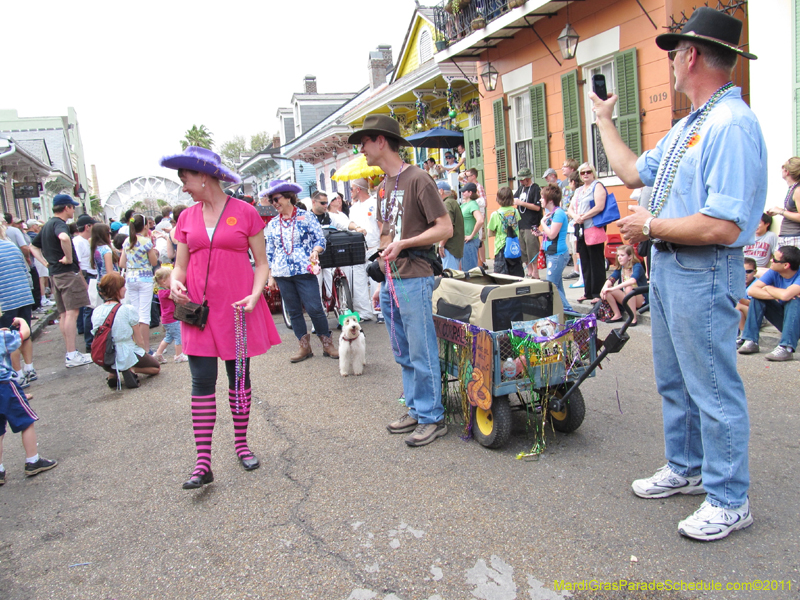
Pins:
x: 310, y: 84
x: 276, y: 141
x: 380, y: 61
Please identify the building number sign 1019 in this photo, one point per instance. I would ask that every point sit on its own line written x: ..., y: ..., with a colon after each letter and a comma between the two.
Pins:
x: 658, y: 97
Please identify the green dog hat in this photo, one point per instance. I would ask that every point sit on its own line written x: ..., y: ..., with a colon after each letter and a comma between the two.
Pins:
x: 349, y: 313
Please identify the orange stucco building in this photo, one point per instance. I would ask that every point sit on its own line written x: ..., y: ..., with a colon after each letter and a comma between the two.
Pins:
x: 539, y: 113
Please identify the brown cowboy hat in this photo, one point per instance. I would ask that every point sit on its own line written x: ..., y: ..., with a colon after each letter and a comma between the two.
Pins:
x: 375, y: 125
x: 708, y: 25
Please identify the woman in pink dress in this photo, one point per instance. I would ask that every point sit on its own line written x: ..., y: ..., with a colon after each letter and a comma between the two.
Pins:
x: 212, y: 262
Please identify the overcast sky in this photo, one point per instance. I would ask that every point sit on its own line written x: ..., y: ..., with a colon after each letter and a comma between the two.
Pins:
x: 139, y: 74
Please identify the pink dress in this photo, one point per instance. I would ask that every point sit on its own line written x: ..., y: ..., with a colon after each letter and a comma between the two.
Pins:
x: 230, y: 279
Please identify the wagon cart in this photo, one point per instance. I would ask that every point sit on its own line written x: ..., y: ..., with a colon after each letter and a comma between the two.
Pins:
x: 505, y: 343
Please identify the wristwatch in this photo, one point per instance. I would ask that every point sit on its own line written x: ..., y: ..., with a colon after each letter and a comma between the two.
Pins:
x: 646, y: 226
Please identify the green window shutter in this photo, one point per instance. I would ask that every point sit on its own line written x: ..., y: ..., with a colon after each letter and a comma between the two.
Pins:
x: 573, y: 139
x: 628, y: 123
x: 541, y: 149
x: 500, y: 142
x: 796, y: 71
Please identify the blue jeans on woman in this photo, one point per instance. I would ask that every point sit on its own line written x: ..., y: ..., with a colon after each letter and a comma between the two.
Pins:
x: 693, y: 296
x: 303, y: 291
x: 556, y: 263
x: 470, y: 259
x: 415, y: 347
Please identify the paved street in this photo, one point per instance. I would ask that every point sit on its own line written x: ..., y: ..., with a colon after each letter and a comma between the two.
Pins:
x: 340, y: 509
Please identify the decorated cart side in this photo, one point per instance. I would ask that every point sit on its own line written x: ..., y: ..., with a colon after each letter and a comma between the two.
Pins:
x: 502, y: 337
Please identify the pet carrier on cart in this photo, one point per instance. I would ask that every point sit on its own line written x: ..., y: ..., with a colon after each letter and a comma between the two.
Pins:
x: 502, y: 336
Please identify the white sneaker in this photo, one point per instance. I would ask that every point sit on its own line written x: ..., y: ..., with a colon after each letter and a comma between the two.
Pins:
x: 181, y: 358
x: 711, y: 522
x: 160, y: 358
x: 666, y: 482
x: 47, y: 302
x: 79, y: 360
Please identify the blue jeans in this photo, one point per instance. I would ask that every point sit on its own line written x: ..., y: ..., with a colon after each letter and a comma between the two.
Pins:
x: 411, y: 333
x: 556, y: 263
x: 470, y: 259
x: 786, y: 317
x: 303, y: 291
x: 451, y: 262
x: 693, y: 296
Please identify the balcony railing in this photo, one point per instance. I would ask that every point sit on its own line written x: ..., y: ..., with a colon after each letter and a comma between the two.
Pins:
x: 453, y: 26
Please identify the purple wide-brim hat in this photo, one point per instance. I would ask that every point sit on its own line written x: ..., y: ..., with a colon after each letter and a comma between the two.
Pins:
x: 279, y: 186
x: 203, y: 160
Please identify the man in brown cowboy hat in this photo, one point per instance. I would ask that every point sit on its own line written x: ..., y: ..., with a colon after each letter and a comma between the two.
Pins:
x: 412, y: 219
x: 709, y: 187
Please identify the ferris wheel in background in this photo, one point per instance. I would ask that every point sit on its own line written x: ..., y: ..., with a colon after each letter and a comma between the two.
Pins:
x: 150, y: 191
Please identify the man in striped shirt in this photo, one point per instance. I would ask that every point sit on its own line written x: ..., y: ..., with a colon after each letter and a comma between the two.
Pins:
x: 16, y: 300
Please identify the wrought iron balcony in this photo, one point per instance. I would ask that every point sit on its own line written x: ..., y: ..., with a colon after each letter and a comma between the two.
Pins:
x: 456, y: 19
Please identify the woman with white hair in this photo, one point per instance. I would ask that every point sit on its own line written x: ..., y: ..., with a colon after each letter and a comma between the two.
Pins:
x: 591, y: 240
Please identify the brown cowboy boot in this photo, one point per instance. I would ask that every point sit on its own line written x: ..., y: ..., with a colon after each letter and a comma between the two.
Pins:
x: 305, y: 349
x: 328, y: 347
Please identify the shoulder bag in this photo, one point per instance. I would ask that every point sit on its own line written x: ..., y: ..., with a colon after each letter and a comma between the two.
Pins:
x: 610, y: 212
x: 193, y: 313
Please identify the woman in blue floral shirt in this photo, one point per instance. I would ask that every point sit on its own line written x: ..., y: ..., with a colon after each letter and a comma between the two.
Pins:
x: 294, y: 243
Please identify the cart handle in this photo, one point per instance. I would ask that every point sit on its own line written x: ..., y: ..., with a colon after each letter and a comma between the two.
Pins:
x: 612, y: 344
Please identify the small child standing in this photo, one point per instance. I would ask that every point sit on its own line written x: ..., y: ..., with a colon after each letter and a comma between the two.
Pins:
x: 172, y: 328
x: 14, y: 407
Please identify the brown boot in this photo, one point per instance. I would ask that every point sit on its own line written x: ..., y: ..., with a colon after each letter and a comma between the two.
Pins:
x: 305, y: 349
x: 328, y: 347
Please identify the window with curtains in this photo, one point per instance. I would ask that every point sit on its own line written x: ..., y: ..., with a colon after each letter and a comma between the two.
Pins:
x: 521, y: 138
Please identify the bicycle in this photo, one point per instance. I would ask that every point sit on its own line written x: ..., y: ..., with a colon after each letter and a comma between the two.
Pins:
x: 339, y: 299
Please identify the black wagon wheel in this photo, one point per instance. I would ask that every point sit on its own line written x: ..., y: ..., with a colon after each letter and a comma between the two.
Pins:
x: 492, y: 427
x: 569, y: 419
x: 286, y: 320
x: 344, y: 298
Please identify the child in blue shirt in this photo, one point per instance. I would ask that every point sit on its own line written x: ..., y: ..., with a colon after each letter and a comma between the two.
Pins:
x: 14, y: 407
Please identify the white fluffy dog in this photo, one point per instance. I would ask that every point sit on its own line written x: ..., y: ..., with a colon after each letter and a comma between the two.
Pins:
x: 352, y: 348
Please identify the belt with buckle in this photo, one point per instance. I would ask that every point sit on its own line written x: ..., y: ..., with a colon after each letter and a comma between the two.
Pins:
x: 663, y: 246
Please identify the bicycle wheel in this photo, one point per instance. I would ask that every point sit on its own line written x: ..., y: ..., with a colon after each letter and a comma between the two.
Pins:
x: 286, y: 320
x: 344, y: 299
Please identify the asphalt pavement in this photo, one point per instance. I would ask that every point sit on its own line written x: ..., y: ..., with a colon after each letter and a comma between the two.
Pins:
x: 341, y: 509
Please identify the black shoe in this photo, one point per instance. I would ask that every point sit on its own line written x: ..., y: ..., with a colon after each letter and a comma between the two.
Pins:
x: 130, y: 378
x: 249, y: 461
x: 2, y: 477
x: 112, y: 383
x: 40, y: 465
x: 196, y: 481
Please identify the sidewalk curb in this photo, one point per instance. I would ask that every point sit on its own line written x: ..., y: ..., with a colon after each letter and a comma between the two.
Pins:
x: 43, y: 321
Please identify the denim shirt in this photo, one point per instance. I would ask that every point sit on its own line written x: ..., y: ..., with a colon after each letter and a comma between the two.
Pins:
x: 723, y: 174
x: 307, y: 235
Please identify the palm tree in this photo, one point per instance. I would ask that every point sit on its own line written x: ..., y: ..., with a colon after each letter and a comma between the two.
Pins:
x: 197, y: 136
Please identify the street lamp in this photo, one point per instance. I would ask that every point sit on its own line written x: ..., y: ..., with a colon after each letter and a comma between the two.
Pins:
x: 82, y: 193
x: 568, y: 42
x: 489, y: 77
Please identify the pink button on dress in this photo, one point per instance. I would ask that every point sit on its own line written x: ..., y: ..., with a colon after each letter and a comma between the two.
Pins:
x: 230, y: 279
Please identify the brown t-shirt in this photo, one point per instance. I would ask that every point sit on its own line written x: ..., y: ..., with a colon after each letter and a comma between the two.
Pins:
x: 412, y: 210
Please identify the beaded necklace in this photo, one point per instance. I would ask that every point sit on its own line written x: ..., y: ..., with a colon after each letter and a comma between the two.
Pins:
x: 388, y: 213
x: 293, y: 221
x: 240, y: 337
x: 669, y: 167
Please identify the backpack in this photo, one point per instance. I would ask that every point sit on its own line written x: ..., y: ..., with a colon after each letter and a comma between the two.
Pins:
x: 104, y: 354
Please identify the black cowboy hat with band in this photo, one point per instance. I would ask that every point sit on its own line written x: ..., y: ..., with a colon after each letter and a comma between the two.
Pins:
x: 711, y: 26
x: 375, y: 125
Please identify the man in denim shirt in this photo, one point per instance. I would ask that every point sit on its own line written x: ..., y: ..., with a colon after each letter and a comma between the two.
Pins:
x: 709, y: 188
